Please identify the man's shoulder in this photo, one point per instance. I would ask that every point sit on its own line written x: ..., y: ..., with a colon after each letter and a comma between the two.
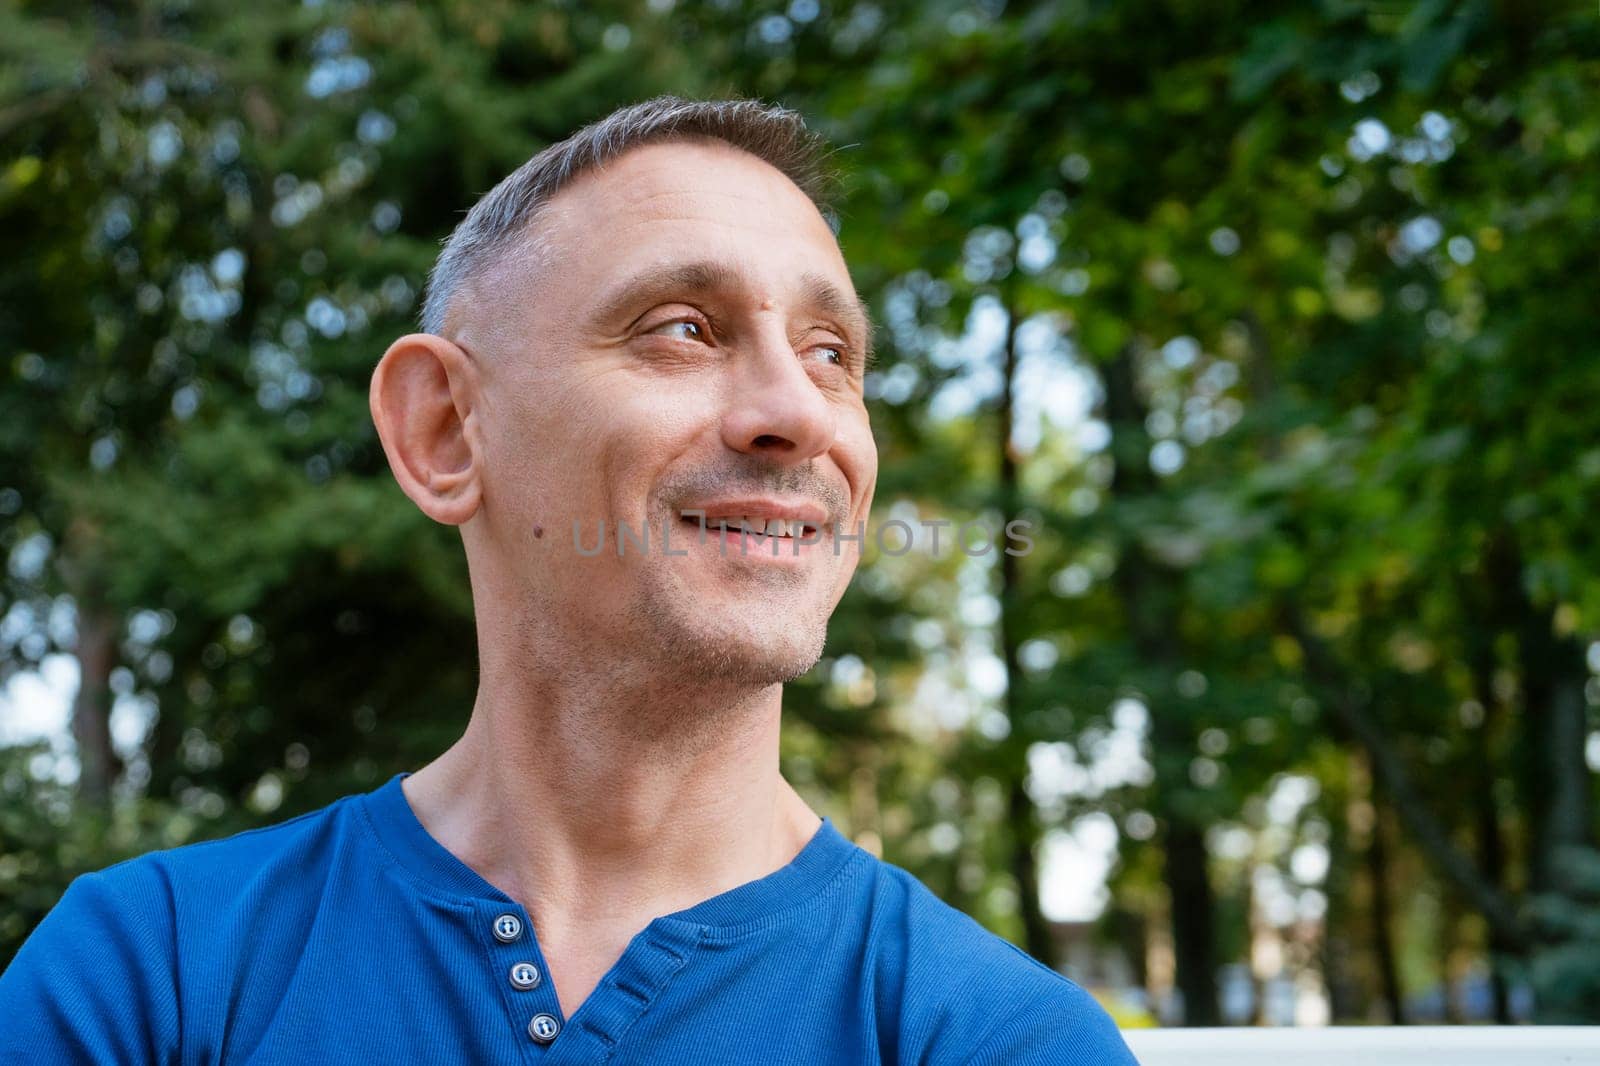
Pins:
x: 957, y: 942
x: 972, y: 989
x: 213, y: 873
x: 147, y: 926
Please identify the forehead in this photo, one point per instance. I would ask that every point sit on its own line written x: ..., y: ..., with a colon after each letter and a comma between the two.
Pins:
x: 679, y: 201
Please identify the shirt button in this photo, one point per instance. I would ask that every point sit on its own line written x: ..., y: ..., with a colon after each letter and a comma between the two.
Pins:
x: 544, y: 1028
x: 525, y: 975
x: 507, y: 928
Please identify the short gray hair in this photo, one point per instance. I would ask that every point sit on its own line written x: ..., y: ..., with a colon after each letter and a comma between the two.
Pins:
x: 497, y: 222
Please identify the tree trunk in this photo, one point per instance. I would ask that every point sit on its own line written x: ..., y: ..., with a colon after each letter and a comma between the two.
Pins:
x: 1377, y: 857
x: 1024, y: 869
x: 1555, y: 778
x: 1024, y: 816
x: 1347, y: 997
x: 98, y: 625
x: 1150, y: 598
x: 1486, y: 808
x: 1557, y: 727
x: 1492, y: 861
x: 1185, y: 871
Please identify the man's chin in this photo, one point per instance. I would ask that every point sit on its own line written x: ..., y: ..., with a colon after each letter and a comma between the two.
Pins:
x: 745, y: 659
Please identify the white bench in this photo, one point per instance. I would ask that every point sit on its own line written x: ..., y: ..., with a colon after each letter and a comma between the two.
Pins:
x: 1469, y: 1045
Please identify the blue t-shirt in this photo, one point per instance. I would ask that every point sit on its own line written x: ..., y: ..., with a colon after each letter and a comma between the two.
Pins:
x: 350, y: 935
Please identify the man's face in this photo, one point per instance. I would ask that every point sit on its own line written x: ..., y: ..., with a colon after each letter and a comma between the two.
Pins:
x: 689, y: 340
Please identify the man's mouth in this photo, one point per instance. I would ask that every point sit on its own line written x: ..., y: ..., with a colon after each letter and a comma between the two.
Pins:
x: 753, y: 524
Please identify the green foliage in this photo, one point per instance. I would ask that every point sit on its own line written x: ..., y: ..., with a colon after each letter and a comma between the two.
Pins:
x: 1323, y: 273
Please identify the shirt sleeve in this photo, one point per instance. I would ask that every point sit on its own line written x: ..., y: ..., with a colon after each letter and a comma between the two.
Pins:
x: 1067, y: 1029
x: 96, y: 981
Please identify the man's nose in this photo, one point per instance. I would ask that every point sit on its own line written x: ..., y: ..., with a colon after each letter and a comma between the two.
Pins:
x: 775, y: 409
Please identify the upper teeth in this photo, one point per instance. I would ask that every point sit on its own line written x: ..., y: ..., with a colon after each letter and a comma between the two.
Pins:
x: 770, y: 527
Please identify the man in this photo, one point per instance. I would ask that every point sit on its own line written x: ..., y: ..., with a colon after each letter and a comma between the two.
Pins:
x: 646, y: 330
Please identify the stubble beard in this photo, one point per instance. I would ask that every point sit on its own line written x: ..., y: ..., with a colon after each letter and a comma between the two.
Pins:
x: 749, y: 652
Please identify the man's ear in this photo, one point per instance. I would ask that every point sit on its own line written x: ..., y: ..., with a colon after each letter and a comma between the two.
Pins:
x: 424, y: 400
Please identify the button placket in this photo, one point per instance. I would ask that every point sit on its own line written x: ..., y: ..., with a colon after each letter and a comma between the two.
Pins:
x: 629, y: 989
x: 519, y: 972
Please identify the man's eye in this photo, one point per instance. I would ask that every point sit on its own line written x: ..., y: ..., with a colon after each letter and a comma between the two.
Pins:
x: 697, y: 331
x: 835, y: 354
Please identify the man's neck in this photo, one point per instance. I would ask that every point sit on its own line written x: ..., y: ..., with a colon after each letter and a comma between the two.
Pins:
x: 611, y: 809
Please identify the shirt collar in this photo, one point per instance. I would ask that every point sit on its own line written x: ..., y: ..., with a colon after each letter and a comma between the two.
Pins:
x: 823, y: 857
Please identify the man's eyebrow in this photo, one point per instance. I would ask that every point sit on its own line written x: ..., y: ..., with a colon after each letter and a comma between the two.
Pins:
x: 656, y: 283
x: 707, y: 276
x: 818, y: 292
